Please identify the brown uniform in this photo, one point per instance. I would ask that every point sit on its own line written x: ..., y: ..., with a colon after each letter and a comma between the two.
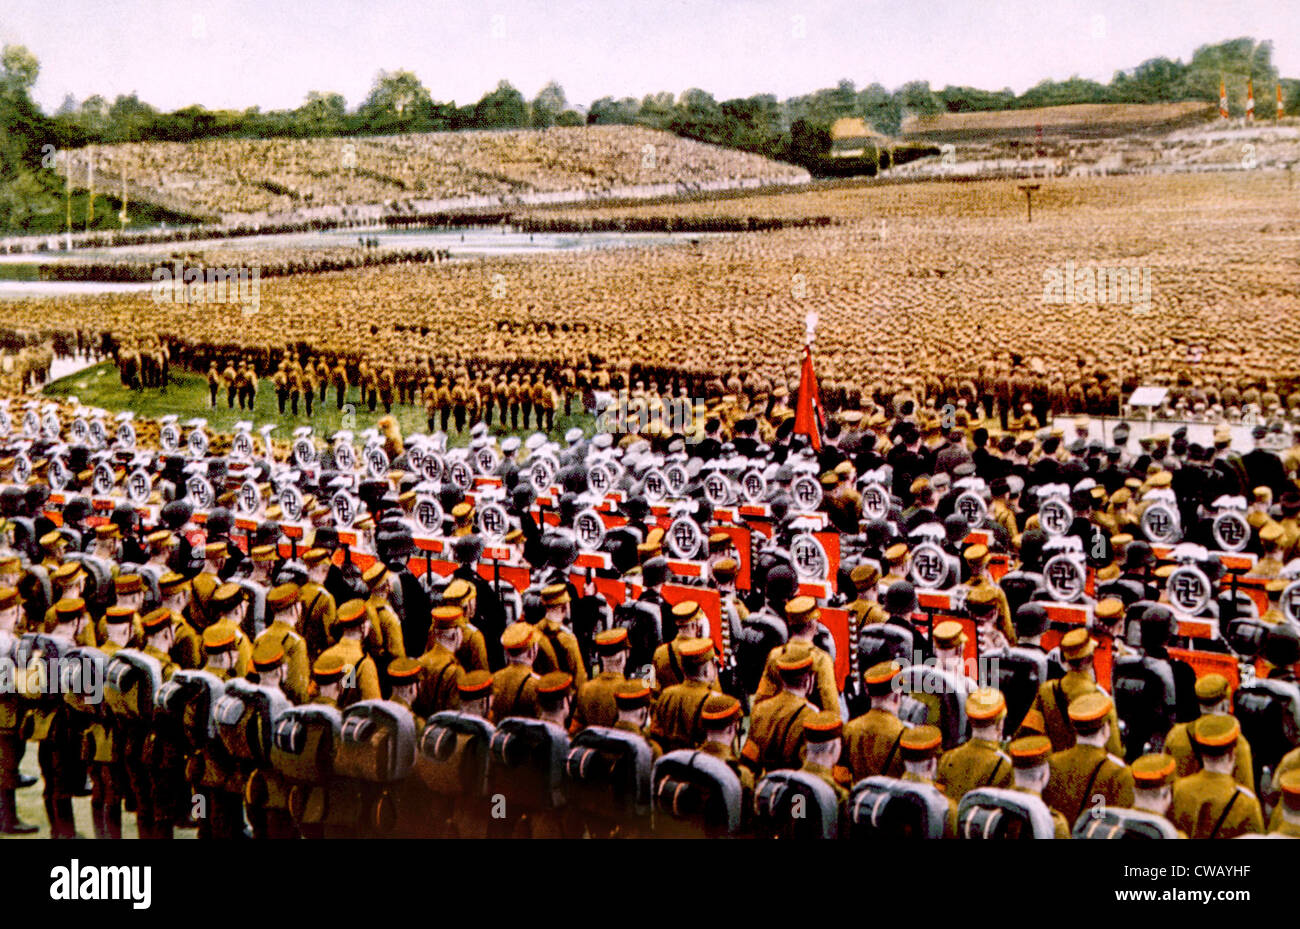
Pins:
x: 871, y: 745
x: 776, y: 732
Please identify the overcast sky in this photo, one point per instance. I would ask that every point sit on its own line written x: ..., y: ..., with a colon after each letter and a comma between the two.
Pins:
x: 270, y: 53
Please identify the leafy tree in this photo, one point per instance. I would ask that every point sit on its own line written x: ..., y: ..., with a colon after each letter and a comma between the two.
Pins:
x: 608, y: 111
x: 547, y: 106
x: 394, y: 102
x: 503, y: 108
x: 18, y: 70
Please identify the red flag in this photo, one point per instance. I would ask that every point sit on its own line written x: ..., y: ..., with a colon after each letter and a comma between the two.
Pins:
x: 1280, y: 112
x: 1223, y: 99
x: 1250, y: 100
x: 808, y: 415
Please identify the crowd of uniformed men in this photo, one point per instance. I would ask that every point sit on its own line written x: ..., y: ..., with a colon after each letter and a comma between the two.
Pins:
x: 767, y: 704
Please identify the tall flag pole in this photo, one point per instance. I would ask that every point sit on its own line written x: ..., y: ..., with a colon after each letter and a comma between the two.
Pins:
x: 809, y: 418
x: 90, y: 182
x: 1250, y: 100
x: 1223, y: 99
x: 67, y: 190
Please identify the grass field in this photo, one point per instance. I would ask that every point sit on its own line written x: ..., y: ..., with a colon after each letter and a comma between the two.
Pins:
x: 31, y: 808
x: 187, y: 396
x: 1088, y: 117
x: 940, y: 277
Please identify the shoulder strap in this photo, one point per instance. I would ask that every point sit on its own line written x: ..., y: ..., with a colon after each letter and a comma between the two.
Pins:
x: 1058, y: 693
x: 314, y: 600
x: 779, y: 742
x: 884, y: 769
x: 992, y: 778
x: 1227, y: 808
x: 674, y: 663
x: 439, y: 687
x: 514, y: 703
x: 561, y: 655
x: 695, y: 721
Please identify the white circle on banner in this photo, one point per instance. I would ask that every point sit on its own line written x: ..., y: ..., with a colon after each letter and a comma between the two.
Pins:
x: 376, y: 463
x: 169, y: 437
x: 138, y: 486
x: 241, y: 445
x: 291, y: 502
x: 1189, y: 589
x: 717, y: 488
x: 126, y: 435
x: 200, y: 491
x: 494, y: 521
x: 428, y: 515
x: 753, y: 486
x: 589, y: 529
x: 345, y: 456
x: 344, y: 508
x: 875, y: 501
x: 929, y: 565
x: 304, y: 452
x: 972, y: 508
x: 1064, y: 578
x: 58, y: 473
x: 1055, y: 517
x: 541, y: 473
x: 677, y: 479
x: 248, y: 499
x: 1160, y: 524
x: 598, y: 479
x: 460, y: 475
x: 806, y: 491
x: 1290, y: 601
x: 656, y: 485
x: 103, y: 479
x: 1231, y: 531
x: 685, y: 538
x: 809, y: 557
x: 432, y: 467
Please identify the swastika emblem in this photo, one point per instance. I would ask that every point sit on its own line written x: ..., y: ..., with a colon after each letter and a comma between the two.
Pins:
x: 715, y: 489
x: 590, y: 530
x: 1189, y: 589
x: 928, y: 565
x: 137, y: 487
x: 1055, y: 517
x: 493, y: 520
x: 807, y: 492
x: 1231, y: 531
x: 971, y: 508
x: 1063, y: 578
x: 810, y: 561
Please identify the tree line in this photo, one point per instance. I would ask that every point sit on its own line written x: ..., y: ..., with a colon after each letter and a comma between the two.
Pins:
x: 795, y: 130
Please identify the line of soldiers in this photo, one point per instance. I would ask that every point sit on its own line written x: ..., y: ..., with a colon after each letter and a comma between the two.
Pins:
x: 770, y: 686
x: 519, y: 400
x: 1062, y: 756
